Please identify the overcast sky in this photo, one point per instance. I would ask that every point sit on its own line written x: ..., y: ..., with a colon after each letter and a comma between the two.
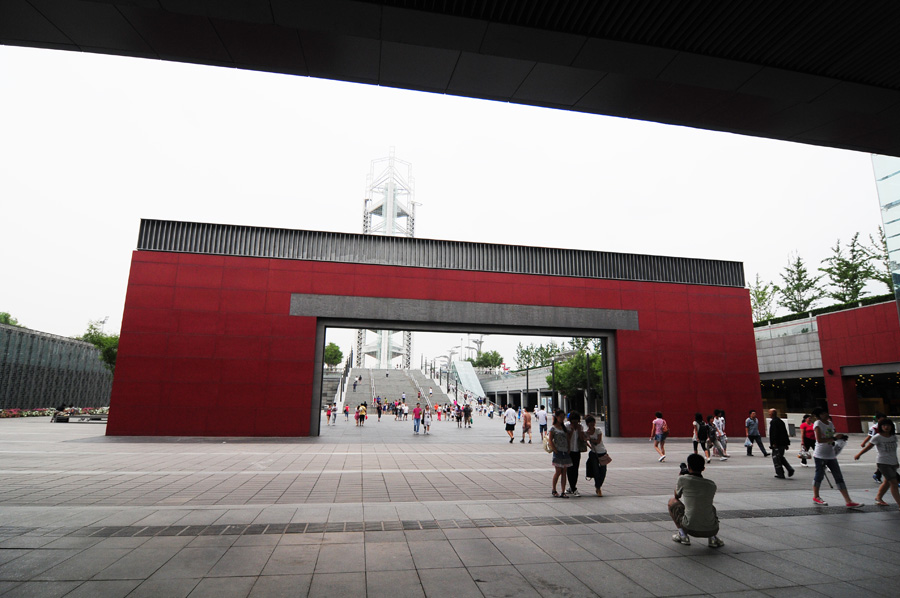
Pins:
x: 90, y: 144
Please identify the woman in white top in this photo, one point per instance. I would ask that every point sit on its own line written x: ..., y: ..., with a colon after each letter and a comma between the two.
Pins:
x: 594, y: 468
x: 824, y: 456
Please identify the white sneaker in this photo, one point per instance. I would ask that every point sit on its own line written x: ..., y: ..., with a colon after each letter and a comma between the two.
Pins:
x: 681, y: 539
x: 724, y: 459
x: 663, y: 458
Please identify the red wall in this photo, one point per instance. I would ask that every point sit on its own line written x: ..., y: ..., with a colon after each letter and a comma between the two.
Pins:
x: 866, y: 335
x: 207, y: 347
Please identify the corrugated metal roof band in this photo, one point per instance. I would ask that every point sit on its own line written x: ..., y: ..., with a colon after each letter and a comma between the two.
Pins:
x: 249, y: 241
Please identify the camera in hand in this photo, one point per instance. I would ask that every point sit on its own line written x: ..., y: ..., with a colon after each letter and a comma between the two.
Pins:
x: 684, y: 469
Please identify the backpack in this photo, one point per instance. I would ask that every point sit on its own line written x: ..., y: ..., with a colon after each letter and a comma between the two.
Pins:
x: 702, y: 432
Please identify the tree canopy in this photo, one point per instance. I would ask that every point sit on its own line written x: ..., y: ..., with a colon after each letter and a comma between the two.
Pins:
x: 762, y: 296
x: 848, y: 272
x: 800, y: 291
x: 488, y: 359
x: 333, y: 355
x: 107, y: 343
x: 6, y: 318
x: 571, y: 377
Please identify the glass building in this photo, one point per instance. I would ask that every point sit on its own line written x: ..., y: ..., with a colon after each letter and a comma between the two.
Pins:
x: 887, y: 182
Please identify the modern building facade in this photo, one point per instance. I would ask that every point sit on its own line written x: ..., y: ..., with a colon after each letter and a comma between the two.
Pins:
x: 223, y: 328
x: 847, y: 361
x: 38, y: 369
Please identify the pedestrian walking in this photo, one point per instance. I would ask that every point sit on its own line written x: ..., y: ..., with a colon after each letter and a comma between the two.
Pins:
x: 346, y: 413
x: 526, y: 426
x: 417, y: 418
x: 719, y: 422
x: 701, y: 435
x: 714, y: 438
x: 825, y: 456
x: 873, y: 431
x: 807, y: 437
x: 598, y: 458
x: 558, y: 439
x: 779, y: 442
x: 378, y: 410
x: 659, y: 430
x: 751, y: 425
x: 509, y: 418
x: 426, y: 420
x: 467, y: 415
x: 885, y: 441
x: 541, y: 419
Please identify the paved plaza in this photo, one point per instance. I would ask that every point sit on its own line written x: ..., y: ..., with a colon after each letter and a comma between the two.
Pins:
x: 376, y: 511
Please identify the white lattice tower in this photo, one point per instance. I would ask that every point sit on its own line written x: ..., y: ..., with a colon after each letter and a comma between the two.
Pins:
x: 389, y: 209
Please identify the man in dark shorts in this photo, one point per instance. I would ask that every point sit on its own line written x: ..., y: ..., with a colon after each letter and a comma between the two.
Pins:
x: 509, y: 418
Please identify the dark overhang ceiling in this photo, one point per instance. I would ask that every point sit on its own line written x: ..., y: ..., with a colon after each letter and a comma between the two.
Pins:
x: 823, y: 72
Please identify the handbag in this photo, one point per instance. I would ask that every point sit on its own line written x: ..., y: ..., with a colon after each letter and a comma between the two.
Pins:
x: 748, y: 443
x: 604, y: 459
x: 546, y: 444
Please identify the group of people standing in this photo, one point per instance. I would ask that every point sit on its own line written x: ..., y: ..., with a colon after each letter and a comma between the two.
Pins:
x: 567, y: 438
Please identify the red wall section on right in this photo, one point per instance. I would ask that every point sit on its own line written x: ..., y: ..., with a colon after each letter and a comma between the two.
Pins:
x: 866, y: 335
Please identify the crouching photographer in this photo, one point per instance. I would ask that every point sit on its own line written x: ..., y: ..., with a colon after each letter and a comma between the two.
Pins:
x: 692, y: 507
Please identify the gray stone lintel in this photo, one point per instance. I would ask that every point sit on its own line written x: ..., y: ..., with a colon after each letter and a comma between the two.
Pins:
x: 462, y: 312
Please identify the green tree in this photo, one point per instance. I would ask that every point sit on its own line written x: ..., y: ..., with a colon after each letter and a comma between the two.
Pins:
x: 762, y: 296
x: 333, y: 355
x: 536, y: 356
x: 800, y: 291
x: 848, y: 272
x: 488, y: 359
x: 879, y: 253
x: 571, y: 377
x: 582, y: 343
x: 107, y: 343
x: 5, y: 318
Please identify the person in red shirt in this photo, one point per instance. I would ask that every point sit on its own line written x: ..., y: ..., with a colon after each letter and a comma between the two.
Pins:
x: 417, y: 418
x: 809, y: 438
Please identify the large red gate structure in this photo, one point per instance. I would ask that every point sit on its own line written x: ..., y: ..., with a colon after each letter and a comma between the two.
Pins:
x: 223, y: 328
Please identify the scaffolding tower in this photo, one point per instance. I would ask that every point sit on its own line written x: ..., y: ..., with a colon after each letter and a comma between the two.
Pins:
x: 389, y: 209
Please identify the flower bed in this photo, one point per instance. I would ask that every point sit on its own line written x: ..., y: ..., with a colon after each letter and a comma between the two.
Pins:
x: 47, y: 411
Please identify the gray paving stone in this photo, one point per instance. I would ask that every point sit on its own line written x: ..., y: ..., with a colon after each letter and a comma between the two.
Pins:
x: 474, y: 553
x: 229, y: 587
x: 602, y: 576
x: 85, y: 564
x: 289, y: 560
x: 341, y: 558
x: 551, y: 580
x: 645, y: 573
x: 394, y: 583
x: 338, y: 585
x: 170, y: 588
x: 521, y: 551
x: 504, y: 580
x: 388, y: 556
x: 104, y: 589
x: 434, y: 555
x: 281, y: 586
x: 191, y: 562
x: 41, y: 589
x: 33, y: 563
x: 242, y: 561
x: 140, y: 563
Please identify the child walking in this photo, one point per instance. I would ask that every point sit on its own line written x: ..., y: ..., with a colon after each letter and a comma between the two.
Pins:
x: 886, y: 460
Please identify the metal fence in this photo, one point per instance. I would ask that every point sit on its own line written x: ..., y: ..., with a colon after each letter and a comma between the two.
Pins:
x: 44, y: 370
x: 250, y: 241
